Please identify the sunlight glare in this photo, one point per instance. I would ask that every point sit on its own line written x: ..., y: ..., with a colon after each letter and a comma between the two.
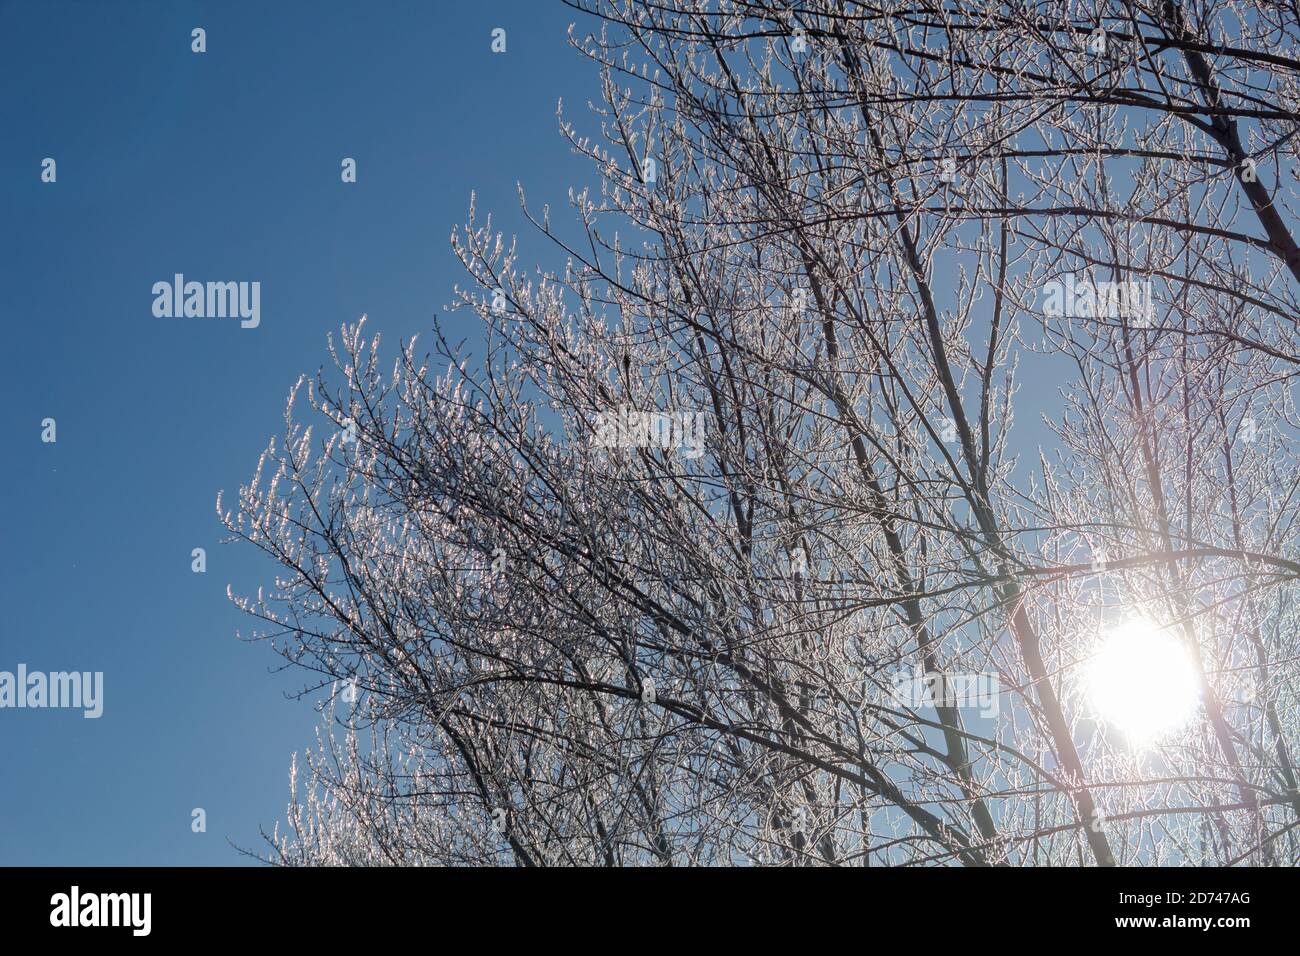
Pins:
x: 1143, y: 682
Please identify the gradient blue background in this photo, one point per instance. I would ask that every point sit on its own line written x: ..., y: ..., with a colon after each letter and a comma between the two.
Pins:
x: 222, y: 166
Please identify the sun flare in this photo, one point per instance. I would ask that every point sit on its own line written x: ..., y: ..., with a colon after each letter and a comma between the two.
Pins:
x: 1143, y: 682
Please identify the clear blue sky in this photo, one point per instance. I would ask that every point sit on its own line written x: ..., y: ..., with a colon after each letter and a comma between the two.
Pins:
x: 222, y: 166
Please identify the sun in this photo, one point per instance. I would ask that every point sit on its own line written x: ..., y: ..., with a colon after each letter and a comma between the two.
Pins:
x: 1142, y: 681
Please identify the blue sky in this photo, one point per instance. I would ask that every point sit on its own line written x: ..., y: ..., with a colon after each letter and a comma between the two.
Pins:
x: 221, y: 166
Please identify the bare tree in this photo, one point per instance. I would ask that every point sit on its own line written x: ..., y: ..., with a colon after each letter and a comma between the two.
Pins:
x: 700, y: 557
